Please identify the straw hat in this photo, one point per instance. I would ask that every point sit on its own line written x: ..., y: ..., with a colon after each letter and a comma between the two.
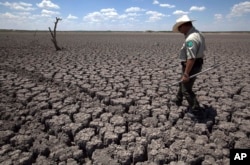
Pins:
x: 183, y: 19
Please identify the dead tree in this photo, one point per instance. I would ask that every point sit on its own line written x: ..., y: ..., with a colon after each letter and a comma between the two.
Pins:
x: 53, y: 35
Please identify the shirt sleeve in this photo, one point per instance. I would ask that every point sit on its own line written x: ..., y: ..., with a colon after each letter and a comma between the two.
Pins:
x: 183, y: 54
x: 192, y: 49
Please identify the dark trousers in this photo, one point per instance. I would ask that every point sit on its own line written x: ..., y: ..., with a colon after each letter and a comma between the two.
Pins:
x: 185, y: 89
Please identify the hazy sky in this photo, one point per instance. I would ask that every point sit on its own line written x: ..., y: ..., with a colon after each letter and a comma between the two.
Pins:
x: 135, y: 15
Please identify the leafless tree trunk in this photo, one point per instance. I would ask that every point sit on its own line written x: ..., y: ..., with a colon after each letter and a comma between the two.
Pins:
x: 53, y: 35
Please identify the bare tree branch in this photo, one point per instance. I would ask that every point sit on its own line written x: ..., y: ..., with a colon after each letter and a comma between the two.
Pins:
x: 53, y: 34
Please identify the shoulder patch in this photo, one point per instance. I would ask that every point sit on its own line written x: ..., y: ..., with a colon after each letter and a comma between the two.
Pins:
x: 190, y: 44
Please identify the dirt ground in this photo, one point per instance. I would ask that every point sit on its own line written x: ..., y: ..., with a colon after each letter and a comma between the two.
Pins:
x: 104, y: 99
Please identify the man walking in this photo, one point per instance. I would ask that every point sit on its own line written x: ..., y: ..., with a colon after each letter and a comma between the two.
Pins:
x: 191, y: 56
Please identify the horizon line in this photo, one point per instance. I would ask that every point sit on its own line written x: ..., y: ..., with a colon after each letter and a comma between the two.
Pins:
x: 148, y: 31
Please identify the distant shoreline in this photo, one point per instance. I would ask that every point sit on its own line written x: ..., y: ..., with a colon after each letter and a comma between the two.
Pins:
x: 110, y: 31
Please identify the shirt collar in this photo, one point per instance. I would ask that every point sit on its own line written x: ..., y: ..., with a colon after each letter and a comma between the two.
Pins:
x: 190, y: 31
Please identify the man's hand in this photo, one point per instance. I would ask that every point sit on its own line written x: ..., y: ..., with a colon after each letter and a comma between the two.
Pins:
x: 185, y: 78
x: 189, y: 65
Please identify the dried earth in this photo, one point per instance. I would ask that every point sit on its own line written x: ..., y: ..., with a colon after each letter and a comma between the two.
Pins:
x: 104, y: 100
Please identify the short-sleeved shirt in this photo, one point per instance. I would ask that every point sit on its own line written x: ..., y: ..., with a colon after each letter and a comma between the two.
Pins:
x: 194, y: 45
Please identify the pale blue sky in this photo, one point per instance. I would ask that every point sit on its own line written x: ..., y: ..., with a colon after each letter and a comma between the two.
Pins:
x: 124, y: 15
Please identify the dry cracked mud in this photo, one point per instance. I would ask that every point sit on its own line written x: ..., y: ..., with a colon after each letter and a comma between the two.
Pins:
x: 104, y: 100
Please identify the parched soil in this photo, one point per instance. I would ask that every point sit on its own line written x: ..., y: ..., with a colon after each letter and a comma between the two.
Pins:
x: 104, y: 100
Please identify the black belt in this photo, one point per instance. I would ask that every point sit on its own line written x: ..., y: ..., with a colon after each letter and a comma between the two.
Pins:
x: 198, y: 62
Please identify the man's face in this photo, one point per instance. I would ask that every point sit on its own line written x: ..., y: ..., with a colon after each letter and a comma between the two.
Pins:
x: 182, y: 28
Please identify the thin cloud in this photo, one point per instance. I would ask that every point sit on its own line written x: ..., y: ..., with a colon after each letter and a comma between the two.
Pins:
x: 72, y: 17
x: 154, y: 16
x: 109, y: 12
x: 18, y: 6
x: 218, y: 17
x: 93, y: 17
x: 197, y: 8
x: 134, y: 9
x: 103, y: 14
x: 240, y: 9
x: 155, y: 2
x: 47, y: 4
x: 17, y: 16
x: 8, y: 15
x: 49, y: 13
x: 167, y: 5
x: 180, y: 12
x: 132, y: 15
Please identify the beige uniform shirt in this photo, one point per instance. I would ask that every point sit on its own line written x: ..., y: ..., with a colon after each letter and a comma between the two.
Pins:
x: 194, y: 45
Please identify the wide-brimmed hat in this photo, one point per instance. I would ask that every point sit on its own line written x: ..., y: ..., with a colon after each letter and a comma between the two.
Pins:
x: 183, y: 19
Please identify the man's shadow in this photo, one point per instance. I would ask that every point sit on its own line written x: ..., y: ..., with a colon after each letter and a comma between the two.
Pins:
x: 207, y: 116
